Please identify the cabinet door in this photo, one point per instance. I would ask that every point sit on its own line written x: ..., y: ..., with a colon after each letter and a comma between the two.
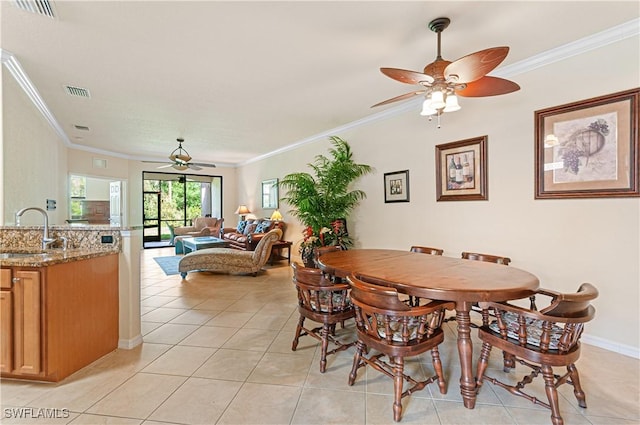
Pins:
x: 26, y: 316
x: 6, y: 322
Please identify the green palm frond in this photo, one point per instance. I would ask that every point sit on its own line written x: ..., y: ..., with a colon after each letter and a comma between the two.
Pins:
x: 319, y: 199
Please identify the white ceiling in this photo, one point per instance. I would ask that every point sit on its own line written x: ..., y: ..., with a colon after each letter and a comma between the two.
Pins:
x: 238, y: 80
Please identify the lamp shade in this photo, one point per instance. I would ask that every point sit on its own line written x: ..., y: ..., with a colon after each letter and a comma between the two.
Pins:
x: 276, y: 216
x: 437, y: 100
x: 242, y: 210
x: 426, y: 109
x: 452, y: 104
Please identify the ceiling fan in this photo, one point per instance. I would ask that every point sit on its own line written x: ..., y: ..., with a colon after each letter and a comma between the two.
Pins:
x: 180, y: 159
x: 443, y: 80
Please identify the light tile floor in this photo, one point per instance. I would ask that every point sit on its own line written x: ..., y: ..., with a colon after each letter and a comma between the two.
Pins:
x: 217, y: 350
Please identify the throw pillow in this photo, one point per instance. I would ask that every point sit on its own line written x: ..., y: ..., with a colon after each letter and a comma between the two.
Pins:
x: 241, y: 226
x: 251, y: 228
x: 263, y: 226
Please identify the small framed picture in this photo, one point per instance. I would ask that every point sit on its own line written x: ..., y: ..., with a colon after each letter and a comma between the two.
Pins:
x: 396, y: 186
x: 588, y: 149
x: 461, y: 170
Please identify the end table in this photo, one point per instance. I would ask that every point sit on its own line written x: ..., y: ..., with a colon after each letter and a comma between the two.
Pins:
x: 276, y: 251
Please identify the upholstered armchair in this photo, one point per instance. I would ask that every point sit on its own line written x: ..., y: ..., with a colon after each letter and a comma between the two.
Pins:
x: 202, y: 226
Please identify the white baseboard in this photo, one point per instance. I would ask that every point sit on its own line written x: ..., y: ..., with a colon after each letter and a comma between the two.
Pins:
x: 626, y: 350
x: 128, y: 344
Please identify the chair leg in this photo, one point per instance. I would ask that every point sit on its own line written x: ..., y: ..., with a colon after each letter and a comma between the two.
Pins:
x: 360, y: 347
x: 324, y: 333
x: 437, y: 366
x: 552, y: 394
x: 509, y: 361
x: 398, y: 378
x: 294, y: 344
x: 483, y: 363
x: 577, y: 388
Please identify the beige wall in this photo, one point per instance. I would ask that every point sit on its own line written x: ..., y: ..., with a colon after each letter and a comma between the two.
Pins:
x: 34, y: 159
x: 564, y: 242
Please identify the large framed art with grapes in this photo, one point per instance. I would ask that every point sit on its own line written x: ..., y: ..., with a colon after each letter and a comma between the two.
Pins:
x: 588, y: 149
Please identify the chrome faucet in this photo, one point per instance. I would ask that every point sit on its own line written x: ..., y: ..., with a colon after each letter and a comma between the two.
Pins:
x: 46, y: 240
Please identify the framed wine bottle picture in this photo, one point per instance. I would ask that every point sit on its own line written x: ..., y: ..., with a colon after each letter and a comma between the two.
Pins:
x: 461, y: 170
x: 396, y: 186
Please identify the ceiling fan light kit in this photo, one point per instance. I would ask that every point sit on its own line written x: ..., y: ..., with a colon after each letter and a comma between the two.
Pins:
x: 443, y: 81
x: 179, y: 153
x: 180, y: 159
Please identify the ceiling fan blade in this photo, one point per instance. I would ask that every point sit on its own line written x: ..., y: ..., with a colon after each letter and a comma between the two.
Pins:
x: 488, y: 86
x: 476, y: 65
x: 200, y: 164
x: 193, y: 166
x: 406, y: 76
x: 401, y: 97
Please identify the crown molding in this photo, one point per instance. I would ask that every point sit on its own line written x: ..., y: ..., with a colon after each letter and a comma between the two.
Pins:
x: 13, y: 66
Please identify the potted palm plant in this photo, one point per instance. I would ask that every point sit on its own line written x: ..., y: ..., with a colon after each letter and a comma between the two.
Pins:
x: 323, y: 200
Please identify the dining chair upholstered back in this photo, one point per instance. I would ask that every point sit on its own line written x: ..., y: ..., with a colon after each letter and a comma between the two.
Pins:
x: 397, y: 330
x: 322, y: 301
x: 539, y: 340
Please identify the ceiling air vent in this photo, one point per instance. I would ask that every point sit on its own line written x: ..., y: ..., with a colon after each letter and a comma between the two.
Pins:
x: 41, y: 7
x: 77, y: 91
x: 81, y: 127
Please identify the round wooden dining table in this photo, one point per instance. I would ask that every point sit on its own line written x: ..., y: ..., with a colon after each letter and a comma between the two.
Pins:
x: 439, y: 278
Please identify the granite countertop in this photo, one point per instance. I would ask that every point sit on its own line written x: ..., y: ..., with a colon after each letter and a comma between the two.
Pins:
x: 49, y: 257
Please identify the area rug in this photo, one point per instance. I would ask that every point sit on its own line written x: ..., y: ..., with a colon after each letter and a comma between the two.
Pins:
x: 169, y: 264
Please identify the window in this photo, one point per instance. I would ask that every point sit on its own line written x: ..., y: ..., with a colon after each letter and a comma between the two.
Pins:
x: 77, y: 192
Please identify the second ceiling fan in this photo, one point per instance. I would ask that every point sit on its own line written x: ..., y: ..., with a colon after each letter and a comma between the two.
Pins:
x: 443, y: 80
x: 181, y: 160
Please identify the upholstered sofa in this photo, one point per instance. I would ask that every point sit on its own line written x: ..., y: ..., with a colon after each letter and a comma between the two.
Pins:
x: 229, y: 260
x: 248, y: 233
x: 202, y: 226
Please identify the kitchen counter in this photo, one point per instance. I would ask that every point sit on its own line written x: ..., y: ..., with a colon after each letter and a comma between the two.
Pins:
x: 49, y: 257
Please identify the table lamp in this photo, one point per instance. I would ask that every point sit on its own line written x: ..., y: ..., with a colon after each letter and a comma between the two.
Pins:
x: 276, y: 216
x: 243, y: 211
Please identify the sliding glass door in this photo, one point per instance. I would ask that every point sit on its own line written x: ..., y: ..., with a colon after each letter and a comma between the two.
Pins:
x: 171, y: 200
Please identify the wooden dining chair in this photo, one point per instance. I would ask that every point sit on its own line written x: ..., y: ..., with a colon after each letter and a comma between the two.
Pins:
x: 394, y: 329
x: 426, y: 250
x: 539, y: 340
x: 489, y: 258
x: 324, y: 302
x: 320, y: 251
x: 411, y: 300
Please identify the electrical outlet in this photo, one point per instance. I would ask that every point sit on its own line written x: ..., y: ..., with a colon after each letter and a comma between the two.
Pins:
x: 106, y: 239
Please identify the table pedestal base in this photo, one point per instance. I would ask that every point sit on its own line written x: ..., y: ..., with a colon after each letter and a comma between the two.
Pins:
x: 465, y: 351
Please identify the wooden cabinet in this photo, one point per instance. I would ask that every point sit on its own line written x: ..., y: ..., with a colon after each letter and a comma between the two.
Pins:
x: 57, y: 319
x: 6, y: 321
x: 20, y: 322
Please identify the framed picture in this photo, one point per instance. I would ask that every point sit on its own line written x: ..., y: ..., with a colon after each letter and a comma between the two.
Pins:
x: 396, y: 186
x: 270, y: 194
x: 461, y: 170
x: 588, y: 149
